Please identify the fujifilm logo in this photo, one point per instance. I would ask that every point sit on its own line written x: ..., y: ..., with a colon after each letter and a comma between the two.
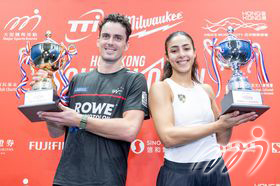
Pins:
x: 88, y: 22
x: 45, y: 145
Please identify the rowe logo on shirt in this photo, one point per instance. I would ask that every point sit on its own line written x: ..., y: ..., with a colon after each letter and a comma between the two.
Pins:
x: 95, y: 110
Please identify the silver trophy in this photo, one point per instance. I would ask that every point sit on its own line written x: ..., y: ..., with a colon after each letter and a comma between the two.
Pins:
x: 47, y: 55
x: 233, y: 54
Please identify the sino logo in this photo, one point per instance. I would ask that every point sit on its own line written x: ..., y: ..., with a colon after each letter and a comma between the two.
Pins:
x: 137, y: 146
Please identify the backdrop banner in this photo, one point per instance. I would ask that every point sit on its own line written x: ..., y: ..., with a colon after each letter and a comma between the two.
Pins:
x: 29, y: 157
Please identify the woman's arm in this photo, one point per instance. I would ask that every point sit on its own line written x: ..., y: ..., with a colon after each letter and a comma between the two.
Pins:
x: 160, y: 103
x: 224, y: 136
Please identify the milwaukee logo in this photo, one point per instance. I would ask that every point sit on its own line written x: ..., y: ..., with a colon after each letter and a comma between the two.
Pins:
x: 139, y: 23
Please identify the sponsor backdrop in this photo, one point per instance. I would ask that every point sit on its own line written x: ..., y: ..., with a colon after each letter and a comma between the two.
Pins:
x: 28, y: 156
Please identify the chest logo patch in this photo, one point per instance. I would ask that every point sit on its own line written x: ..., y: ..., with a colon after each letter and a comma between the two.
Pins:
x: 144, y: 99
x: 118, y: 91
x: 182, y: 98
x: 80, y: 89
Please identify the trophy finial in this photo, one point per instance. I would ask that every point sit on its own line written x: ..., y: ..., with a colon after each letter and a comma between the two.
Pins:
x: 230, y: 30
x: 48, y: 34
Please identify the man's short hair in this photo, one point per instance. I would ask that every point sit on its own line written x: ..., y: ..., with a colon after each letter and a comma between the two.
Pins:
x: 117, y: 18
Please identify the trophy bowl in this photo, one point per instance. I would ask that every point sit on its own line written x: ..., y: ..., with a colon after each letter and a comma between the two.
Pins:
x: 45, y: 56
x: 235, y: 51
x: 43, y: 53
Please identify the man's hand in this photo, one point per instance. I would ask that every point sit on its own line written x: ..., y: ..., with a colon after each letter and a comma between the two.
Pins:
x: 39, y: 75
x: 68, y: 117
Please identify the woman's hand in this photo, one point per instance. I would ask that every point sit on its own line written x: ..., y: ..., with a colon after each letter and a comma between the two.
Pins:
x: 234, y: 119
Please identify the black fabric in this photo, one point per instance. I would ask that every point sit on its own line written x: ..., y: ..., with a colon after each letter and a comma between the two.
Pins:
x: 207, y: 173
x: 89, y: 159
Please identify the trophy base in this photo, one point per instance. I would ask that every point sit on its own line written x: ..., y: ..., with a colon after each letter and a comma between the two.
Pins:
x: 244, y: 102
x: 30, y: 111
x: 259, y: 109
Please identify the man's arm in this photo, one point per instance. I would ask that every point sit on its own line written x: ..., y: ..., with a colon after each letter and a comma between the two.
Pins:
x: 125, y: 128
x: 55, y: 131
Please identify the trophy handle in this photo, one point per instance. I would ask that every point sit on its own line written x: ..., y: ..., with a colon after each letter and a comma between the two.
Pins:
x: 207, y: 43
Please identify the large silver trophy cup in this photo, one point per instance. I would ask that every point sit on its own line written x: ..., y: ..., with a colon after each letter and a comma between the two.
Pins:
x: 47, y: 55
x: 233, y: 54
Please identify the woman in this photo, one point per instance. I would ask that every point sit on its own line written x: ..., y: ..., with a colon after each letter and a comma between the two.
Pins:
x: 186, y: 119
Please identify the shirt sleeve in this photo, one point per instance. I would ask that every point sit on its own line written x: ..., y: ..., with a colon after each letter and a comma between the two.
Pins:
x: 137, y: 98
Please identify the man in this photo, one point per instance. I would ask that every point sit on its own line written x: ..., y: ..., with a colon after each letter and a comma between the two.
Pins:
x: 107, y: 108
